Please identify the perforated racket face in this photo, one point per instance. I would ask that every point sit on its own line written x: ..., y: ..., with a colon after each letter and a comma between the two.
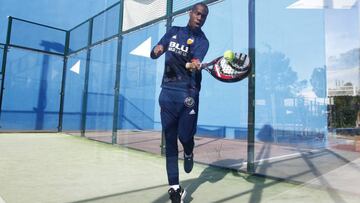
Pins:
x: 231, y: 72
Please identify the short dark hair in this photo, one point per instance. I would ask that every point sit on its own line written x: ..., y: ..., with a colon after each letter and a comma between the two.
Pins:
x: 193, y: 8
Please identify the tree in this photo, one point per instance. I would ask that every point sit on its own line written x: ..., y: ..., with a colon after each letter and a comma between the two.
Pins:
x: 318, y: 82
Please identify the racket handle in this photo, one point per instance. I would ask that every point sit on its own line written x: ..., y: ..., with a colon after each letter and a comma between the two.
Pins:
x: 189, y: 65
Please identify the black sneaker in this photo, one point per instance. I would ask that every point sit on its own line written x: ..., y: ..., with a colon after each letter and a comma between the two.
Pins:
x: 177, y: 196
x: 188, y: 163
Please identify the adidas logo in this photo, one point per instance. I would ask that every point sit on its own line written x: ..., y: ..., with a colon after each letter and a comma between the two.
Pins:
x: 173, y: 37
x: 192, y: 112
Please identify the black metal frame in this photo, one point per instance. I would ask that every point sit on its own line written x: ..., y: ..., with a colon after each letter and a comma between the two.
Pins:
x: 62, y: 92
x: 117, y: 75
x: 35, y: 23
x: 251, y: 91
x: 86, y: 81
x: 3, y: 66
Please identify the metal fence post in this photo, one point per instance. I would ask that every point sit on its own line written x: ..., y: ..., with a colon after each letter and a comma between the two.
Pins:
x: 3, y: 66
x: 86, y: 81
x: 117, y: 79
x: 63, y: 80
x: 251, y: 92
x: 169, y: 11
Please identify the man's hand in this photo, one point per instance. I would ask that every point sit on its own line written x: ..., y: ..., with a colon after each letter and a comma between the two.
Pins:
x: 158, y: 50
x: 194, y: 65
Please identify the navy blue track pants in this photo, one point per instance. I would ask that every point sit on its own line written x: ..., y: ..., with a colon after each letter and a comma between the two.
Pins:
x: 179, y: 113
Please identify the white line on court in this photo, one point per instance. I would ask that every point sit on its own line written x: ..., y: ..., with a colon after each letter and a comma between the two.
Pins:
x: 2, y: 200
x: 260, y: 161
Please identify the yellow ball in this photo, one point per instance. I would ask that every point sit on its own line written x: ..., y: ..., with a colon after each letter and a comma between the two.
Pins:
x: 229, y: 55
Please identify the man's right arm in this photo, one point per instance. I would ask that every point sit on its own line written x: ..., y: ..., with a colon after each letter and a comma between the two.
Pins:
x: 162, y: 46
x: 157, y: 51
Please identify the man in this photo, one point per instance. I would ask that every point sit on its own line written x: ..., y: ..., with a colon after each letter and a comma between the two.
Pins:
x: 179, y: 97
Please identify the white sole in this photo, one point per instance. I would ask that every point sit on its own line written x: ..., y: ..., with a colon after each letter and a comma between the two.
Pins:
x: 183, y: 195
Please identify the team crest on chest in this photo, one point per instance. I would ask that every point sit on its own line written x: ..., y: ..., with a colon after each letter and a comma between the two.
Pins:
x: 189, y: 102
x: 190, y: 41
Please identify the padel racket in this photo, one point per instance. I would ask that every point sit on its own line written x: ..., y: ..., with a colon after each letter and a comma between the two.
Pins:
x: 225, y: 70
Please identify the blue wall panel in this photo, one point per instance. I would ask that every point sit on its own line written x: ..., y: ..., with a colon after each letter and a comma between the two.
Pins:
x: 139, y: 80
x: 44, y: 38
x: 32, y: 91
x: 74, y: 87
x: 79, y: 37
x: 100, y: 103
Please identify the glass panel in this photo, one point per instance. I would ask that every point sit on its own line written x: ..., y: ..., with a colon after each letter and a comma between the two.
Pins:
x: 222, y: 125
x: 139, y: 90
x: 290, y: 118
x: 32, y: 91
x: 343, y: 78
x: 146, y: 11
x: 100, y: 102
x: 180, y: 4
x: 343, y: 74
x: 106, y: 24
x: 74, y: 87
x: 139, y: 79
x: 79, y: 37
x: 46, y: 39
x: 300, y: 52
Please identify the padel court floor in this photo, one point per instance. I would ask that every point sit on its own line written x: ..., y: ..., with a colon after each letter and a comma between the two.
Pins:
x: 58, y: 167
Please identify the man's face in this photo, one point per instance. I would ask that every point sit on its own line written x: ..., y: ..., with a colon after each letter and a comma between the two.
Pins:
x: 198, y: 17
